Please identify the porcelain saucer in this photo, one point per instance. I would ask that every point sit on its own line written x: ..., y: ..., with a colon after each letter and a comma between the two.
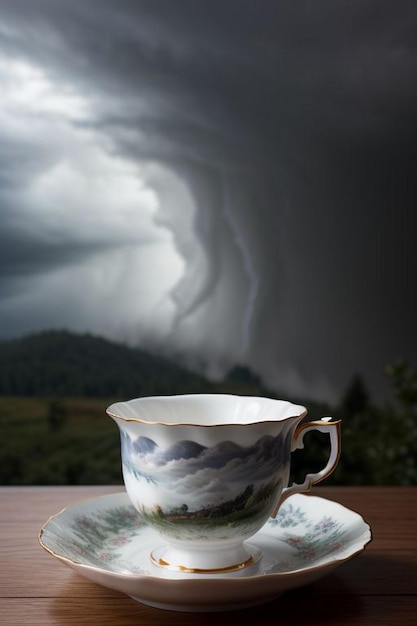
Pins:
x: 106, y: 541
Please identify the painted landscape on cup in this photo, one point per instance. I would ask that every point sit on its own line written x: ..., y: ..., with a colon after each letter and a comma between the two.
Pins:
x: 207, y: 490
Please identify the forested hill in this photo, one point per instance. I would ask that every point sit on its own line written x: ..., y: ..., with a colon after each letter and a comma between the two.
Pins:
x: 68, y: 364
x: 61, y: 363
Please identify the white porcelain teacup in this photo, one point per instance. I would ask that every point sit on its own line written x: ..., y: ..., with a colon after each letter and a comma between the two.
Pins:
x: 206, y: 471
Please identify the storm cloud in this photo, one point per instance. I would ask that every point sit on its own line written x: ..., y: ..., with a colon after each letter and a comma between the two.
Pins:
x: 199, y: 473
x: 225, y: 181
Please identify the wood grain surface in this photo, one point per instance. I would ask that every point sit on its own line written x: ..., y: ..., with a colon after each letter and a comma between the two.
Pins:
x: 377, y: 587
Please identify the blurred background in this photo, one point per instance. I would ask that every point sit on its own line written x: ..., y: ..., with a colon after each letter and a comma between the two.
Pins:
x: 206, y: 196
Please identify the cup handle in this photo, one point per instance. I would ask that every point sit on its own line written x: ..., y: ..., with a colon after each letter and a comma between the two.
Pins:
x: 324, y: 426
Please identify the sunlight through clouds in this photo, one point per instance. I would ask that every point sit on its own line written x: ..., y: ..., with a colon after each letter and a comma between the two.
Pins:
x: 80, y: 201
x: 27, y: 91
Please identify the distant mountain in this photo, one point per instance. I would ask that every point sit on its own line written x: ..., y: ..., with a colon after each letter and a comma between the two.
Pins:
x: 60, y: 363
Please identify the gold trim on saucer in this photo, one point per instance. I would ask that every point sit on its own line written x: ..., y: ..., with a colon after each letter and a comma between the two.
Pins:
x: 195, y: 570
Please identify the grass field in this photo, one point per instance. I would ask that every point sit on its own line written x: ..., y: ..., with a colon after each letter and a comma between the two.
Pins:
x: 58, y: 441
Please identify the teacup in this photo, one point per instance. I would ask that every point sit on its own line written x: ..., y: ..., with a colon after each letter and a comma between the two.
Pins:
x: 206, y: 471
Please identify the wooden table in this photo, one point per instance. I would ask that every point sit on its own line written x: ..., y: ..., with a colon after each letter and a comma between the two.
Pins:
x: 377, y: 587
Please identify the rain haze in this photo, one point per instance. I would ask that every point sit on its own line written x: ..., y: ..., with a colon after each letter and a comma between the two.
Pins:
x: 225, y: 182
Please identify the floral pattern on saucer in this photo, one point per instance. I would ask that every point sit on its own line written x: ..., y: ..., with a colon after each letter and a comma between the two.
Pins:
x: 316, y: 540
x: 101, y: 535
x: 107, y: 541
x: 98, y: 538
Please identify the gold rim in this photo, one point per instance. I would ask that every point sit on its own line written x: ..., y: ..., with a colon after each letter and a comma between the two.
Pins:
x: 302, y: 412
x: 139, y: 421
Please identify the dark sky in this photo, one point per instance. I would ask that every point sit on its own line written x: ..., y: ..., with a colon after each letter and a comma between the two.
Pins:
x: 226, y: 181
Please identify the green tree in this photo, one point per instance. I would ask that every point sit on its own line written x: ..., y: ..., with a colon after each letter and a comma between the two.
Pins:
x: 356, y: 397
x: 379, y: 443
x: 404, y: 379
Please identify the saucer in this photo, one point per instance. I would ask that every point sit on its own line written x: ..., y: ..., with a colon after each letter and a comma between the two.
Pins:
x: 106, y: 541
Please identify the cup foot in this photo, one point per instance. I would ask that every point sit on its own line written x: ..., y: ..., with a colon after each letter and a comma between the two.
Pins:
x: 194, y: 561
